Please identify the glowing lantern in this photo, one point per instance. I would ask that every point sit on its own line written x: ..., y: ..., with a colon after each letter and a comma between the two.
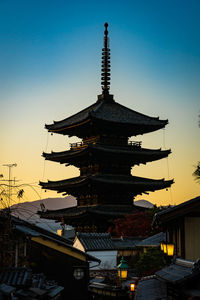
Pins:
x: 165, y: 248
x: 170, y: 249
x: 162, y: 246
x: 122, y: 269
x: 132, y: 287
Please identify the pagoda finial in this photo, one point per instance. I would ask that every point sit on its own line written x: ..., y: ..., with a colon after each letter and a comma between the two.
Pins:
x: 105, y: 70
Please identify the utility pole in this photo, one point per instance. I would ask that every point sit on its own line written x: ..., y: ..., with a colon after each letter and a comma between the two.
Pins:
x: 8, y: 250
x: 10, y: 166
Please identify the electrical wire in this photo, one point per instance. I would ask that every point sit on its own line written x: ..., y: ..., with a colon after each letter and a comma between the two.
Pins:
x: 168, y: 173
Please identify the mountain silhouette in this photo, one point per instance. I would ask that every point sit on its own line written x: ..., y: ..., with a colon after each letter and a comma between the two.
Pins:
x: 143, y: 203
x: 28, y: 211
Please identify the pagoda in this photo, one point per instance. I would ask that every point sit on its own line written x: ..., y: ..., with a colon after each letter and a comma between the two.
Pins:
x: 105, y: 188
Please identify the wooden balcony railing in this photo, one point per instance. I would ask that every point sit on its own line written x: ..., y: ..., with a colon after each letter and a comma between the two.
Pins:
x: 75, y: 146
x: 135, y: 143
x: 83, y: 144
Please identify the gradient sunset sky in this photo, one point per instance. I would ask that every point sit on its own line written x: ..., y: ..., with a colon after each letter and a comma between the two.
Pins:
x: 50, y: 65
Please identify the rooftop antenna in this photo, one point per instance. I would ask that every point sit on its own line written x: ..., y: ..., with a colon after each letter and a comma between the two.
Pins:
x: 10, y: 166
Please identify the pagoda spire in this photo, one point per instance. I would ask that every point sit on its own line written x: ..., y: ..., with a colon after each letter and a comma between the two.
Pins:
x: 105, y: 70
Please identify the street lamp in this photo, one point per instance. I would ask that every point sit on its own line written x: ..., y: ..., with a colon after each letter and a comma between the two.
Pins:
x: 122, y: 269
x: 132, y: 287
x: 132, y: 290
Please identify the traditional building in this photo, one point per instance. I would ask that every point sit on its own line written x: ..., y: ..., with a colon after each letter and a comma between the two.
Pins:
x: 105, y: 188
x: 181, y: 224
x: 41, y: 251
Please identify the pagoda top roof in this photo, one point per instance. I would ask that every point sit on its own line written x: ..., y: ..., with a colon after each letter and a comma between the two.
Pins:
x: 105, y: 113
x: 108, y: 110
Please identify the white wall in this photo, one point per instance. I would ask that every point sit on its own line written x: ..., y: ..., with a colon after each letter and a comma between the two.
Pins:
x: 77, y: 244
x: 108, y: 259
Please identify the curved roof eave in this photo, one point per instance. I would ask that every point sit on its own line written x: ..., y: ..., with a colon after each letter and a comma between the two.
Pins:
x: 106, y: 111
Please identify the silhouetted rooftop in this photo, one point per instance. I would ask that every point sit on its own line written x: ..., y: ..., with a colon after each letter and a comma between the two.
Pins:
x: 113, y: 112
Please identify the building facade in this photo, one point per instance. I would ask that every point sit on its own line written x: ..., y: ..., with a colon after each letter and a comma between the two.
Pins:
x: 182, y: 226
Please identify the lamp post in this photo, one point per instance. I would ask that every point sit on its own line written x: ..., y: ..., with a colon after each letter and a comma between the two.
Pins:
x: 122, y: 269
x: 132, y: 289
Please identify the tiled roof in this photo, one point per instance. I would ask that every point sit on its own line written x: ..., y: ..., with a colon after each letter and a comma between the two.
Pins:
x: 34, y: 231
x: 16, y: 277
x: 96, y: 241
x: 109, y: 111
x: 80, y: 116
x: 27, y: 230
x: 126, y: 242
x: 115, y: 112
x: 26, y: 285
x: 179, y: 271
x: 151, y: 289
x: 182, y: 209
x: 153, y: 241
x: 138, y: 184
x: 130, y: 153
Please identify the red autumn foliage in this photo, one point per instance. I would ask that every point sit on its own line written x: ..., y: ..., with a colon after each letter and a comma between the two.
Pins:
x: 135, y: 224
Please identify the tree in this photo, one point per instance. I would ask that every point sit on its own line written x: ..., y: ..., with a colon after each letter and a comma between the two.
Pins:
x: 135, y: 224
x: 196, y: 173
x: 149, y: 262
x: 138, y: 223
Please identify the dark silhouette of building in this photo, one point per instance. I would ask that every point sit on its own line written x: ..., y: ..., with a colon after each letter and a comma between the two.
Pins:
x: 105, y: 188
x: 26, y: 249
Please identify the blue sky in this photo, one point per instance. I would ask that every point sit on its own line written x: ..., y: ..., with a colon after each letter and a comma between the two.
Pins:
x: 50, y: 60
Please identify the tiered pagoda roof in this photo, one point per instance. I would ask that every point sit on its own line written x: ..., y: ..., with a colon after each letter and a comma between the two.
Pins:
x: 133, y: 153
x: 112, y: 182
x: 107, y: 116
x: 105, y: 156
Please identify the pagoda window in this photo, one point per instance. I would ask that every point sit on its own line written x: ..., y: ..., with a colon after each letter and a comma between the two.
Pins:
x: 88, y: 200
x: 79, y: 228
x: 94, y: 228
x: 81, y: 200
x: 90, y: 169
x: 86, y: 228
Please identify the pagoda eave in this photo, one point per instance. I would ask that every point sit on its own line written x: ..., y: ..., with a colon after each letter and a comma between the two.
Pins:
x: 82, y: 184
x: 129, y: 154
x: 106, y: 117
x: 95, y: 126
x: 77, y: 213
